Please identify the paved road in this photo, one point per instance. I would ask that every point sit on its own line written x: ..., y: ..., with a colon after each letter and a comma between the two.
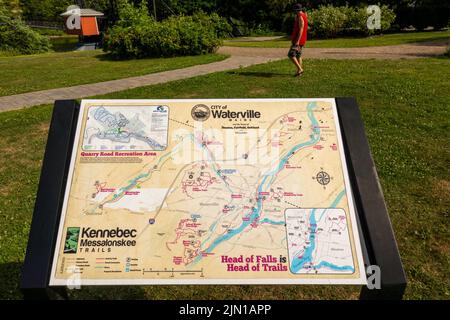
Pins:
x: 239, y: 57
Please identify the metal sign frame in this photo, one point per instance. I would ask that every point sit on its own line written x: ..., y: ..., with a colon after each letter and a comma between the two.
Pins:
x: 376, y: 233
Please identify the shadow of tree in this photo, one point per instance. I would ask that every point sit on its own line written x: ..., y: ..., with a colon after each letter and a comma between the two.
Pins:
x: 64, y: 43
x: 437, y: 41
x: 106, y: 56
x: 10, y: 279
x: 258, y: 74
x: 10, y: 274
x: 108, y: 293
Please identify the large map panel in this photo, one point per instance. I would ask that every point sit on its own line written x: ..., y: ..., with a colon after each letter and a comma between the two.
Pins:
x: 208, y: 191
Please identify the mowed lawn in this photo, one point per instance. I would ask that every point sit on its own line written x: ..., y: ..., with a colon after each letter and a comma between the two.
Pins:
x: 405, y: 106
x: 62, y: 69
x: 378, y: 40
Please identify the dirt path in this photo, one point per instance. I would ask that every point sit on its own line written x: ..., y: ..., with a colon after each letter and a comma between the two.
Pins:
x: 239, y: 57
x: 253, y: 39
x: 403, y: 51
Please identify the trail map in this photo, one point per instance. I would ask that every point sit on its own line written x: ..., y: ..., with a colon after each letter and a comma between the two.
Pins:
x: 224, y: 191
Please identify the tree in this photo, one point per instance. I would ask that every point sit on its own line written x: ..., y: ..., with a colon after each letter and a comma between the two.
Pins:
x: 12, y: 7
x: 45, y: 10
x: 16, y: 37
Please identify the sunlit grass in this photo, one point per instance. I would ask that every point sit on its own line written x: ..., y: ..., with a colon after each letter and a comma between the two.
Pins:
x: 405, y: 107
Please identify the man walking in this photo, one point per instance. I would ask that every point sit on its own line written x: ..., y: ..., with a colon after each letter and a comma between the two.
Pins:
x: 298, y: 38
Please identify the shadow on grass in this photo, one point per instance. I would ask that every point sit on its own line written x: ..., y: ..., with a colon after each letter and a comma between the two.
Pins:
x: 108, y: 293
x: 9, y: 280
x: 106, y: 56
x: 437, y: 41
x: 259, y: 74
x: 10, y: 274
x: 64, y: 43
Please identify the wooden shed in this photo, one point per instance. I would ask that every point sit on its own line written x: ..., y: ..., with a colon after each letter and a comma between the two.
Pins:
x: 88, y: 22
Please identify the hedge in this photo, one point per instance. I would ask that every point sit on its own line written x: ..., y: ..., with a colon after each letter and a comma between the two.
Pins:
x: 138, y: 35
x: 329, y: 21
x: 17, y: 38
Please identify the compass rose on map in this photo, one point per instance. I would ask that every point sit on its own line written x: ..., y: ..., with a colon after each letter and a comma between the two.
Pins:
x: 323, y: 178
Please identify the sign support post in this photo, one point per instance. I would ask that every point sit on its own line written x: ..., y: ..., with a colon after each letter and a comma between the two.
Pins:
x: 375, y: 223
x: 47, y: 210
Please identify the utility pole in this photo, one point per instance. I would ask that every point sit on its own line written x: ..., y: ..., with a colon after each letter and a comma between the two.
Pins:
x: 154, y: 8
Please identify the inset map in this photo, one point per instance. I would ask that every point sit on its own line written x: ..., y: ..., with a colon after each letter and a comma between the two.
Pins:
x: 318, y: 241
x: 111, y: 128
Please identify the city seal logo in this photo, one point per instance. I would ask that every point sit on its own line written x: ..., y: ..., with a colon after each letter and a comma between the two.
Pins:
x: 200, y: 112
x: 71, y: 243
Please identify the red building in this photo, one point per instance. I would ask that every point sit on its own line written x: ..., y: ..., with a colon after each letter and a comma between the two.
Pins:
x: 88, y: 24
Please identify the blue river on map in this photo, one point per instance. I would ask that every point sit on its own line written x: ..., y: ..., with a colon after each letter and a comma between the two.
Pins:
x: 298, y: 262
x: 256, y: 211
x: 269, y: 221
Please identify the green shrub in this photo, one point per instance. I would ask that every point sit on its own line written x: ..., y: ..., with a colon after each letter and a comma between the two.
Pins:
x: 49, y: 31
x: 138, y: 35
x: 356, y: 20
x: 221, y: 26
x: 16, y: 37
x: 387, y: 18
x: 262, y: 30
x: 239, y: 27
x: 327, y: 21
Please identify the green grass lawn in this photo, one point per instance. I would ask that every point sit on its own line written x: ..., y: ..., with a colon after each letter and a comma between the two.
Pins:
x: 381, y: 40
x: 405, y: 106
x: 59, y: 43
x: 62, y: 69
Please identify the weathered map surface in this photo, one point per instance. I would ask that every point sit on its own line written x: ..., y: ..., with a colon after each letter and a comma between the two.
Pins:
x: 126, y: 128
x: 208, y: 191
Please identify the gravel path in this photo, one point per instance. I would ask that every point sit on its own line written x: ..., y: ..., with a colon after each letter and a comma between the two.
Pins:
x: 403, y: 51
